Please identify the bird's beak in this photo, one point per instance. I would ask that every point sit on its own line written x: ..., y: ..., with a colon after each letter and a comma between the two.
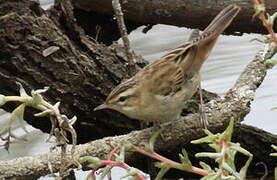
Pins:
x: 102, y: 106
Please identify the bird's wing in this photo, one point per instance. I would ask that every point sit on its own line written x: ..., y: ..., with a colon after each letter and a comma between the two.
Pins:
x: 163, y: 77
x: 170, y: 72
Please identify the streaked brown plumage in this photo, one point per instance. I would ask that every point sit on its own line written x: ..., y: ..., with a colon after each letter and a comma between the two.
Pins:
x: 159, y: 90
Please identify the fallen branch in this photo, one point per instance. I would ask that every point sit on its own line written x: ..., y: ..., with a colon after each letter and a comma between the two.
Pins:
x: 184, y: 13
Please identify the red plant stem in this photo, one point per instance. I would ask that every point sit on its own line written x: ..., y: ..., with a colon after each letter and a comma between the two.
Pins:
x: 113, y: 152
x: 199, y: 171
x: 92, y: 173
x: 270, y: 30
x: 156, y: 156
x: 224, y: 147
x: 262, y: 17
x: 122, y: 165
x: 268, y: 27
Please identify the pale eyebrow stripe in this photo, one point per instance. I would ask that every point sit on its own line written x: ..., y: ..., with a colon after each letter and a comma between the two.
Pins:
x: 122, y: 87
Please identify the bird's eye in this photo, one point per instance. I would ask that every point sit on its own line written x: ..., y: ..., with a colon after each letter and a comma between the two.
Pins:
x: 122, y: 98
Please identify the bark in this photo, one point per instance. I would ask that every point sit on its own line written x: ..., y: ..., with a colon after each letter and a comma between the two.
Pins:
x: 185, y: 13
x: 80, y: 73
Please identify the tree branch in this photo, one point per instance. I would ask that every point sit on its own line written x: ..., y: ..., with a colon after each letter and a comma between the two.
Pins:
x: 184, y: 13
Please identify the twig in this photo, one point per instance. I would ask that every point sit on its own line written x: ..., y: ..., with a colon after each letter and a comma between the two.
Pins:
x: 61, y: 124
x: 266, y: 19
x: 123, y: 31
x: 156, y: 156
x: 122, y: 165
x: 95, y: 163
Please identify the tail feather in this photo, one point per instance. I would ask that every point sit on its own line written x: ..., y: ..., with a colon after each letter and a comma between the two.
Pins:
x: 209, y: 36
x: 223, y: 19
x: 193, y: 53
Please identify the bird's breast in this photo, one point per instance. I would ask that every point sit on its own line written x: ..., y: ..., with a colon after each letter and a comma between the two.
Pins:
x: 161, y: 108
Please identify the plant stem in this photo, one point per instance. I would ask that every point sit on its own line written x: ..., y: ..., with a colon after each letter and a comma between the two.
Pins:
x: 122, y: 165
x: 171, y: 163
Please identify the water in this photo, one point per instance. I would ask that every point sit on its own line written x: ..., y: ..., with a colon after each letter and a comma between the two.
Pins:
x: 45, y: 4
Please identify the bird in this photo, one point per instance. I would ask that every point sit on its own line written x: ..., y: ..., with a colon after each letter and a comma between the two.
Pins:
x: 158, y: 92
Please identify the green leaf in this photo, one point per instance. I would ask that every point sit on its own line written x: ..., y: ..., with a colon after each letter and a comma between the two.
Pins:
x: 274, y: 147
x: 207, y: 139
x: 19, y: 111
x: 2, y: 100
x: 212, y: 176
x: 205, y: 166
x: 209, y: 133
x: 43, y: 113
x: 184, y: 158
x: 215, y: 146
x: 244, y: 169
x: 37, y: 99
x: 22, y: 91
x: 230, y: 170
x: 121, y: 156
x: 223, y: 177
x: 160, y: 164
x: 208, y: 154
x: 18, y: 115
x: 162, y: 173
x: 227, y: 134
x: 231, y: 158
x: 153, y: 138
x: 105, y: 171
x: 237, y: 147
x: 93, y: 162
x: 130, y: 173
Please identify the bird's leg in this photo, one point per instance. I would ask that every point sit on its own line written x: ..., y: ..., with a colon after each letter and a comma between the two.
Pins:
x: 156, y: 124
x: 203, y: 116
x: 144, y: 124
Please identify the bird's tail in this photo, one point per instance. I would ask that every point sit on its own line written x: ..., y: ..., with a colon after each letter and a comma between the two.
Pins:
x: 223, y: 19
x: 193, y: 53
x: 206, y: 40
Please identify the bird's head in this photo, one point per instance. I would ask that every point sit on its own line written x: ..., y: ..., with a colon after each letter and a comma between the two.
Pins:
x: 124, y: 98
